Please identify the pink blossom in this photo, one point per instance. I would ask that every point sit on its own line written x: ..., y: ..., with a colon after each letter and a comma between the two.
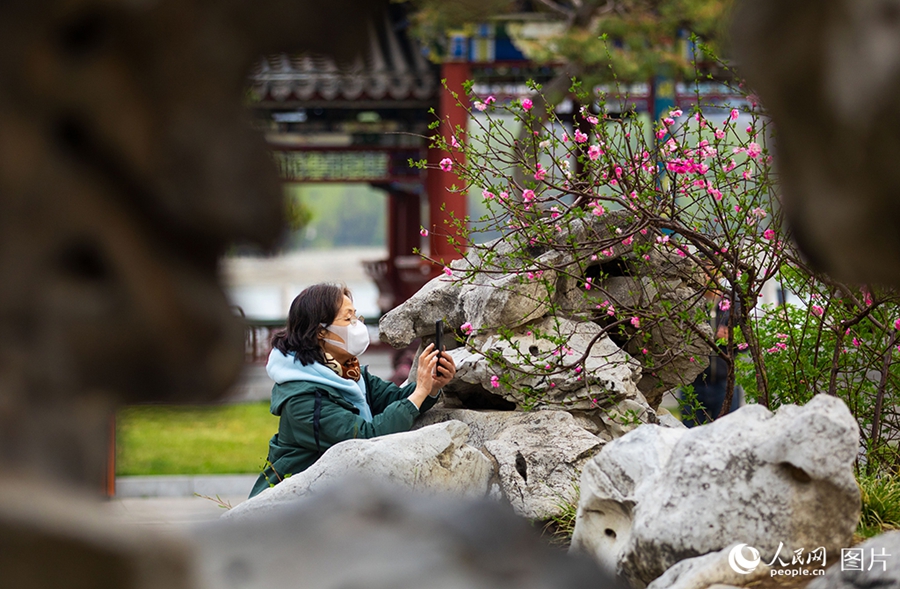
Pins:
x: 466, y: 328
x: 724, y: 304
x: 635, y: 322
x: 580, y: 137
x: 495, y: 381
x: 817, y: 310
x: 554, y: 212
x: 628, y: 240
x: 734, y: 114
x: 660, y: 133
x: 480, y: 106
x: 423, y: 232
x: 540, y: 173
x: 644, y: 231
x: 754, y: 150
x: 490, y: 99
x: 598, y: 209
x: 691, y: 359
x: 448, y: 271
x: 647, y: 257
x: 446, y: 164
x: 594, y: 152
x: 737, y: 208
x: 487, y: 194
x: 618, y: 171
x: 743, y: 346
x: 668, y: 122
x: 680, y: 252
x: 856, y: 342
x: 761, y: 213
x: 769, y: 234
x: 565, y: 137
x: 644, y: 351
x: 720, y: 134
x: 592, y: 120
x: 504, y: 195
x: 578, y: 370
x: 454, y: 142
x: 897, y: 324
x: 528, y: 195
x: 587, y: 284
x: 747, y: 174
x: 662, y: 239
x: 527, y: 104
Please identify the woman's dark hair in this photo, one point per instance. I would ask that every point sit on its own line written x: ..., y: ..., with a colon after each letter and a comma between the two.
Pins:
x: 314, y: 306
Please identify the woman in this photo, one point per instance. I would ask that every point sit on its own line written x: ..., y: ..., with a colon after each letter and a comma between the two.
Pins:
x: 323, y: 395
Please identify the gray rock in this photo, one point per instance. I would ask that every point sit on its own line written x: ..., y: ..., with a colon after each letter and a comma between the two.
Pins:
x: 356, y: 534
x: 838, y: 180
x: 55, y: 536
x: 438, y: 299
x: 609, y: 490
x: 705, y: 572
x: 608, y: 375
x: 539, y: 455
x: 875, y: 574
x: 759, y: 477
x: 432, y: 459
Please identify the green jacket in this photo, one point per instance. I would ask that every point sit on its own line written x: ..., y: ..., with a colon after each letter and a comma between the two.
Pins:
x: 314, y: 417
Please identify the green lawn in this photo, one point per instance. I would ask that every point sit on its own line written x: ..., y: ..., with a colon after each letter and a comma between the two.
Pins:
x: 193, y: 440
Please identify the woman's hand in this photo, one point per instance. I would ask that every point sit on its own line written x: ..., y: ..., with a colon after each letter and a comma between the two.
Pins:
x: 427, y: 380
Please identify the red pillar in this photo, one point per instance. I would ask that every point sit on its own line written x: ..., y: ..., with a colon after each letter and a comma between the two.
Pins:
x: 438, y: 182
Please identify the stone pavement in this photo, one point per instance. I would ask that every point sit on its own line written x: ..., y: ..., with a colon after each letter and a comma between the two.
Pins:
x: 170, y: 501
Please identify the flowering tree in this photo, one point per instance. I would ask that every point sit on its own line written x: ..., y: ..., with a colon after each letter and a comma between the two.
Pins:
x: 693, y: 196
x: 690, y: 197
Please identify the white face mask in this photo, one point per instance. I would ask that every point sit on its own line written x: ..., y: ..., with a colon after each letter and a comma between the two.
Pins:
x: 355, y: 336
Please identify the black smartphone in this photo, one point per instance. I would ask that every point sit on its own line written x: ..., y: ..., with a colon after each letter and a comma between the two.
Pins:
x: 439, y: 339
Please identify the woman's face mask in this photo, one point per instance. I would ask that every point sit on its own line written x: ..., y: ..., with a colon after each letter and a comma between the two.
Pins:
x: 355, y: 336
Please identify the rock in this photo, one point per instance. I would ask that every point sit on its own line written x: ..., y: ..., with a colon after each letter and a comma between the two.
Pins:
x: 432, y: 459
x: 52, y: 537
x: 705, y: 572
x: 607, y: 376
x: 880, y: 559
x: 438, y: 299
x: 609, y: 490
x: 842, y: 216
x: 359, y: 534
x: 539, y: 455
x: 659, y: 495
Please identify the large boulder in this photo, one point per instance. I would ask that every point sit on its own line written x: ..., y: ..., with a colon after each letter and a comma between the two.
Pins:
x: 589, y: 374
x: 432, y: 459
x: 657, y: 496
x: 359, y: 534
x: 539, y: 455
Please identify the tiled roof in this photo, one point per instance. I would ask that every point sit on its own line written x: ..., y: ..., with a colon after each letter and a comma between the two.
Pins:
x: 392, y: 69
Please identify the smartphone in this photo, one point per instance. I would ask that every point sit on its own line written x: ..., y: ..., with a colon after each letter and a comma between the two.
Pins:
x: 439, y: 339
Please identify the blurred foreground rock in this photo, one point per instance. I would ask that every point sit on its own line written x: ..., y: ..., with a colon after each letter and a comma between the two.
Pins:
x: 828, y: 74
x: 434, y: 459
x: 657, y: 496
x: 358, y: 534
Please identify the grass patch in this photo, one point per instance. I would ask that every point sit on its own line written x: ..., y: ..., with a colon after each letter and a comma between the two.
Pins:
x: 222, y: 439
x: 880, y: 504
x: 558, y: 529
